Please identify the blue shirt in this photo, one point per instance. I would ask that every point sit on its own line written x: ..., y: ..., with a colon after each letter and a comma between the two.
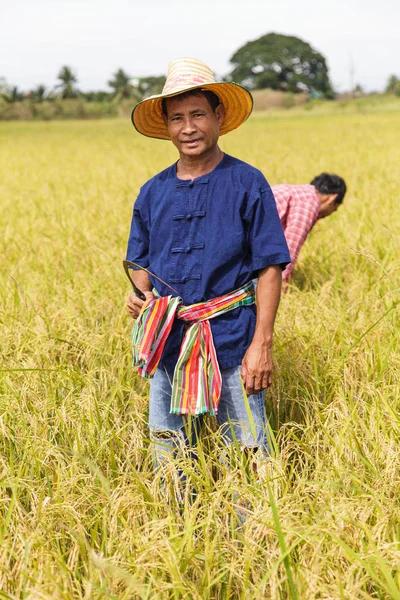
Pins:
x: 206, y: 237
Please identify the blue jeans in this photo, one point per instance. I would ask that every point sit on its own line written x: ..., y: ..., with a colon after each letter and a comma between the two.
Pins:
x: 242, y: 423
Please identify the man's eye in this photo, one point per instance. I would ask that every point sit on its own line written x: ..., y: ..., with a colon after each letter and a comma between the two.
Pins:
x: 174, y: 119
x: 199, y: 115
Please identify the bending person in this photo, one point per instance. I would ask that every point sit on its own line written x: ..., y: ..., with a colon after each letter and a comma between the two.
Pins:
x: 301, y: 206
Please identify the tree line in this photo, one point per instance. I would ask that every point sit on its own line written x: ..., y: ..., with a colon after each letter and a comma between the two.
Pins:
x: 123, y: 86
x: 275, y: 61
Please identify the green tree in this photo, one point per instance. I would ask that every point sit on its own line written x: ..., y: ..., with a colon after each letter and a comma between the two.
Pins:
x: 149, y: 86
x: 281, y: 62
x: 67, y: 83
x: 38, y: 94
x: 393, y: 85
x: 96, y: 96
x: 359, y: 90
x: 13, y: 94
x: 121, y: 84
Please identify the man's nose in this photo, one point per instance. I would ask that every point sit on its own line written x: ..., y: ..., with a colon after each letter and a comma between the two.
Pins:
x: 188, y: 126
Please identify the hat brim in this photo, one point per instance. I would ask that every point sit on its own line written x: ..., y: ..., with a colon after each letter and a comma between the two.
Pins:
x: 147, y: 116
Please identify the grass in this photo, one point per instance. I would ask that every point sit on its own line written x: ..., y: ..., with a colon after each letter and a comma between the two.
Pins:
x: 81, y: 514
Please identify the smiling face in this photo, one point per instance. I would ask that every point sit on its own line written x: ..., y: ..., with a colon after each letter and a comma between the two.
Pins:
x: 193, y: 125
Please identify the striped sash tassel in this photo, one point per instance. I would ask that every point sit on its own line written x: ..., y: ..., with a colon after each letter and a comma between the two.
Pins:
x: 197, y: 381
x: 150, y: 333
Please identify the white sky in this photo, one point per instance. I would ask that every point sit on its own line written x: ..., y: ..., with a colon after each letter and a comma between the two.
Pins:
x: 96, y: 37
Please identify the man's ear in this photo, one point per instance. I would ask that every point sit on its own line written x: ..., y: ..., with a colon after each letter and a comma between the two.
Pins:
x: 329, y: 199
x: 220, y: 113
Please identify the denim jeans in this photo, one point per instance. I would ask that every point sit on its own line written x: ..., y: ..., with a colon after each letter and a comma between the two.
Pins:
x: 241, y: 422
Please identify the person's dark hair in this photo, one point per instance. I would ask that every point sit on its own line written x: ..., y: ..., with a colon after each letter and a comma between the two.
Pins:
x: 212, y: 99
x: 330, y: 184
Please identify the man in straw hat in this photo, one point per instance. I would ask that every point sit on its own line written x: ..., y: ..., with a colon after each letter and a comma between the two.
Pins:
x: 204, y: 228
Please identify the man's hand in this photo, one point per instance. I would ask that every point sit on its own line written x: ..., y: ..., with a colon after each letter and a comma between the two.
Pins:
x: 141, y: 280
x: 257, y: 362
x: 135, y: 304
x: 257, y: 368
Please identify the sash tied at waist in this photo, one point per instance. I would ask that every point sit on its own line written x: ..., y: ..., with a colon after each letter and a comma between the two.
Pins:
x: 197, y: 382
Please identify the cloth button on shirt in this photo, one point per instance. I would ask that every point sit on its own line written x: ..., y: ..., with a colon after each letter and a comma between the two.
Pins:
x: 228, y: 220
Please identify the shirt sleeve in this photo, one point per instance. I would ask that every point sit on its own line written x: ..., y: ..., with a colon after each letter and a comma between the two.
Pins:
x: 298, y: 225
x: 267, y: 240
x: 138, y: 243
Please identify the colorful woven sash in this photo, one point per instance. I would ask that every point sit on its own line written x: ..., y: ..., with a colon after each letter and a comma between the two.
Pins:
x: 196, y: 386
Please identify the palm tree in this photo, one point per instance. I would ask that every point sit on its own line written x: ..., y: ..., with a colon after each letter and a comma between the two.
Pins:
x: 39, y: 93
x: 121, y: 83
x: 13, y: 94
x: 67, y: 78
x: 391, y: 84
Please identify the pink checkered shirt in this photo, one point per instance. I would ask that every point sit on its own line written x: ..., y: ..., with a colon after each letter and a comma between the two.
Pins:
x: 298, y: 208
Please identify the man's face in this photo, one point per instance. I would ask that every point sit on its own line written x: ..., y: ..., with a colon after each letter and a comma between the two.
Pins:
x: 328, y: 205
x: 193, y: 125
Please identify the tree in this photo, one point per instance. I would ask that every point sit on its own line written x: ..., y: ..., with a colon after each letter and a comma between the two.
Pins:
x: 358, y: 90
x: 13, y: 94
x: 38, y: 94
x: 281, y: 62
x: 149, y: 86
x: 96, y: 96
x: 121, y: 84
x: 67, y: 78
x: 393, y: 85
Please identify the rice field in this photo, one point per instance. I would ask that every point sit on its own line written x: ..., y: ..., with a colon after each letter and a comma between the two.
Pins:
x: 81, y: 514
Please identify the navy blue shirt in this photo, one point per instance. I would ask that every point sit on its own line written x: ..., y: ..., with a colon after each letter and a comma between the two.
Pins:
x: 206, y: 237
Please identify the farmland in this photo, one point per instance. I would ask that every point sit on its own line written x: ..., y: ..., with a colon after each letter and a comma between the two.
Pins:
x: 81, y: 514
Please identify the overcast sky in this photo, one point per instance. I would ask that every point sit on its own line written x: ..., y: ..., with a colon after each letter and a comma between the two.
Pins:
x: 96, y: 37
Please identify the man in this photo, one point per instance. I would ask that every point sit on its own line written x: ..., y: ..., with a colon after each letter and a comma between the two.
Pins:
x: 206, y: 226
x: 300, y: 207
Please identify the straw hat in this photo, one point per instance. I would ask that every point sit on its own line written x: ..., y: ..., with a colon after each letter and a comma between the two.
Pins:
x: 189, y: 74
